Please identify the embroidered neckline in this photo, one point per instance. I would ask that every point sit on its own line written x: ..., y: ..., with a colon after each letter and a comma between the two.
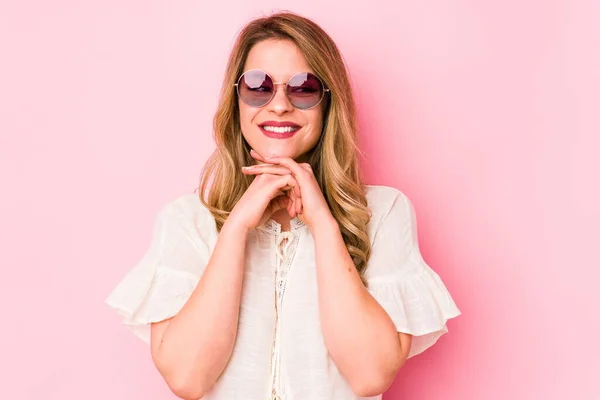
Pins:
x: 275, y: 227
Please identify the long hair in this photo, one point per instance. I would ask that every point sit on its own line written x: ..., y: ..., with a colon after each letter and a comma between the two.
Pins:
x: 334, y: 158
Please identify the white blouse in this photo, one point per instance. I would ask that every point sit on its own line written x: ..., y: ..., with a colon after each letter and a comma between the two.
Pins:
x: 279, y: 347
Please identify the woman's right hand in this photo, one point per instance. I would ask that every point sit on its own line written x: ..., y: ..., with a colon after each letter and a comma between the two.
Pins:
x: 268, y: 193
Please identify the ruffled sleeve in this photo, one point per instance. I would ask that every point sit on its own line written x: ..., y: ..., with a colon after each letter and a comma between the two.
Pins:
x: 411, y: 293
x: 158, y: 285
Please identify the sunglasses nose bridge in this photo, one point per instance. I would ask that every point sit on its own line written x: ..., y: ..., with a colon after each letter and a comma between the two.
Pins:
x: 279, y: 85
x: 279, y: 103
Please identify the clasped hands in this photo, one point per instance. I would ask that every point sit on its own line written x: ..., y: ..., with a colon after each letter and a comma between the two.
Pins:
x: 307, y: 200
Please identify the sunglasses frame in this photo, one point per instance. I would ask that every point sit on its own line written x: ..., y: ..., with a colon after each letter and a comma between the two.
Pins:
x: 237, y: 87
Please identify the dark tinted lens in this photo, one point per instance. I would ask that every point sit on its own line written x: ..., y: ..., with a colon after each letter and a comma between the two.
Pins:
x: 255, y: 88
x: 305, y: 90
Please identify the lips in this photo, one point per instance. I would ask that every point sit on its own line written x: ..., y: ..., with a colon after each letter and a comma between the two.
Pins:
x: 279, y: 129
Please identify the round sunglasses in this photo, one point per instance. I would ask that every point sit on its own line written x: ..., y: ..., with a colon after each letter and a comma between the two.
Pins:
x: 304, y: 90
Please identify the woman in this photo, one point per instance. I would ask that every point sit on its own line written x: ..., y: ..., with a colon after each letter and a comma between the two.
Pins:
x: 286, y: 278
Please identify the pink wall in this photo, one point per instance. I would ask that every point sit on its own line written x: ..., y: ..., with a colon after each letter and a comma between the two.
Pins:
x: 484, y: 112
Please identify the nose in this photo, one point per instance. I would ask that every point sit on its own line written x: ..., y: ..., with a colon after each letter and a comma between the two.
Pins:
x: 280, y: 103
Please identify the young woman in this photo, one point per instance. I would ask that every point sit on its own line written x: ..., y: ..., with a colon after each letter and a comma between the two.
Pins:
x: 285, y: 277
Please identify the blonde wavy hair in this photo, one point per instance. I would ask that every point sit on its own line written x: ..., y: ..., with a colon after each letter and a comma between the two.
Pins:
x: 334, y: 158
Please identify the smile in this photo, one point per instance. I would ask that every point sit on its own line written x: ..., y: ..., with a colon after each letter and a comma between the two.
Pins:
x: 279, y: 130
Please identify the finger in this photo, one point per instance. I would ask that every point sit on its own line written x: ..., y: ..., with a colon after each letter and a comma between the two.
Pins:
x: 283, y: 201
x: 268, y: 169
x: 294, y: 190
x: 298, y: 205
x: 293, y: 207
x: 290, y: 164
x: 284, y: 181
x: 265, y: 169
x: 290, y: 209
x: 256, y: 165
x: 299, y: 172
x: 306, y: 167
x: 290, y: 191
x: 279, y: 202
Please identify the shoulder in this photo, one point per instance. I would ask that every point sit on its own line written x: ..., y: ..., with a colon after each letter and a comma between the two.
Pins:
x: 382, y: 200
x: 381, y: 196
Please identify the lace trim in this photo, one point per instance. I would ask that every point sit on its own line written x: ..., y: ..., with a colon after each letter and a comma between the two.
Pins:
x: 286, y: 245
x: 275, y: 227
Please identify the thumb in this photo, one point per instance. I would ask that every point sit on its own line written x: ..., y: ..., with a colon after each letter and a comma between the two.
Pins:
x: 279, y: 202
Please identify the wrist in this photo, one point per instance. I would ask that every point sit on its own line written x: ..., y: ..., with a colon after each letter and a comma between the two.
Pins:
x: 325, y: 226
x: 231, y: 225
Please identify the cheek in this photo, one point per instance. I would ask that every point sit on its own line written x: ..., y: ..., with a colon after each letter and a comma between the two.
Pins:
x: 316, y: 120
x: 246, y: 116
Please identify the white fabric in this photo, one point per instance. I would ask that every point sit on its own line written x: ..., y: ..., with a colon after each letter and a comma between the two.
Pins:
x: 399, y: 279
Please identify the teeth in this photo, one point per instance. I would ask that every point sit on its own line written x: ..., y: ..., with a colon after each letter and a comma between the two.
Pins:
x: 284, y: 129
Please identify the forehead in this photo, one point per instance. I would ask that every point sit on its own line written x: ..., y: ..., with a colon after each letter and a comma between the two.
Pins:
x: 279, y: 58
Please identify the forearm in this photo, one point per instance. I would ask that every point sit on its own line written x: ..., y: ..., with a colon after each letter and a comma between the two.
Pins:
x: 360, y: 337
x: 198, y: 341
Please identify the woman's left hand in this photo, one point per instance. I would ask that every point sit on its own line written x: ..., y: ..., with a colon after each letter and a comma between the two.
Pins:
x: 313, y: 206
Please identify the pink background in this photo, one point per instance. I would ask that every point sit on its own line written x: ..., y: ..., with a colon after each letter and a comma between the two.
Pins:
x: 485, y: 113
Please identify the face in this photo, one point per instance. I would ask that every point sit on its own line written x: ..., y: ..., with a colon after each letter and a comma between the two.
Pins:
x: 281, y: 60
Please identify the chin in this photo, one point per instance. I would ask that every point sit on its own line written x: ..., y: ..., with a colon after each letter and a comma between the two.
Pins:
x: 280, y: 153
